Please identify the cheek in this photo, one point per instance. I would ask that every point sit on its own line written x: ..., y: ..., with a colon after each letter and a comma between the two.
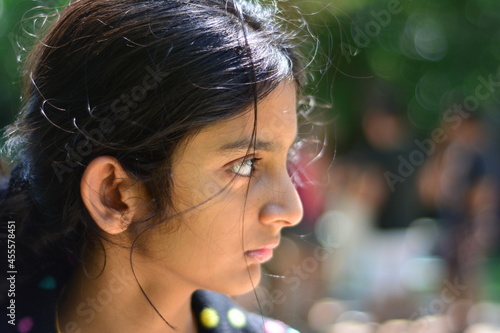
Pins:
x: 201, y: 194
x: 215, y: 216
x: 195, y: 192
x: 216, y: 223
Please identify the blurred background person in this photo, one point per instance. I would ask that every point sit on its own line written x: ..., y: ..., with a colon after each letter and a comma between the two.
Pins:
x: 455, y: 183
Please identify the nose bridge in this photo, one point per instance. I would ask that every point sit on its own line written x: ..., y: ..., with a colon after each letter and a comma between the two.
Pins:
x: 285, y: 200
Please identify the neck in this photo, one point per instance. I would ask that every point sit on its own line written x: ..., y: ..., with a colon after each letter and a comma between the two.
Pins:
x: 113, y: 301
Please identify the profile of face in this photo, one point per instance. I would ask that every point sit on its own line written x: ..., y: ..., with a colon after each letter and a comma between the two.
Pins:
x: 233, y: 201
x: 221, y: 244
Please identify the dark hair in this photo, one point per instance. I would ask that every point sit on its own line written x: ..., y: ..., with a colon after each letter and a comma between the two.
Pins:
x: 131, y: 79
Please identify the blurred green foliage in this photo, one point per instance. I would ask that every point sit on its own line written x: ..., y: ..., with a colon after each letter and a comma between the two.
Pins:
x: 11, y: 12
x: 20, y: 22
x: 431, y: 53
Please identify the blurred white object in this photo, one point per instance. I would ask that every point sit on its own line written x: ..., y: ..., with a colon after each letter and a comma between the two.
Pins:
x: 324, y: 313
x: 352, y: 327
x: 394, y: 326
x: 482, y: 328
x: 430, y: 324
x: 485, y: 313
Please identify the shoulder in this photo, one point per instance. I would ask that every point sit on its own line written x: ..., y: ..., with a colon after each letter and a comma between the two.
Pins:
x: 218, y: 313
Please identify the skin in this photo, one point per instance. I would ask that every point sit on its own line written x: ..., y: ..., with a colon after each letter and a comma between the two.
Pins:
x: 210, y: 246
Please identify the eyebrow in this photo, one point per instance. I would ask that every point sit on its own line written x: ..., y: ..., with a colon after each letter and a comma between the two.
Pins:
x: 247, y: 143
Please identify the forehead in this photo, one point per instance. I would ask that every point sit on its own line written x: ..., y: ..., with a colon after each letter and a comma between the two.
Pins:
x: 276, y: 123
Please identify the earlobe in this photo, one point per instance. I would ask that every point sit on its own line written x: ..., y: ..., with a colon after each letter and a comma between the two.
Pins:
x: 108, y: 194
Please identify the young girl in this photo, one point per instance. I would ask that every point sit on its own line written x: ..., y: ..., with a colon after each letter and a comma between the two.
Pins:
x: 151, y: 168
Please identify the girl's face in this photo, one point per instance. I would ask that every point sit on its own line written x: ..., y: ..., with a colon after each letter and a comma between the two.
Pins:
x: 242, y: 199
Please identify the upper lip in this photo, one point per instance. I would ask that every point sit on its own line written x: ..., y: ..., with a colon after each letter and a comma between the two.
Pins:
x: 269, y: 246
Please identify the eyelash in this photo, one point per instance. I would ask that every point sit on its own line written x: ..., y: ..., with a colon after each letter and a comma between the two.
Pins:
x: 237, y: 167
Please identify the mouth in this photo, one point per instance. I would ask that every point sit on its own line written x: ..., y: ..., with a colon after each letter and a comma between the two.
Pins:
x: 263, y: 254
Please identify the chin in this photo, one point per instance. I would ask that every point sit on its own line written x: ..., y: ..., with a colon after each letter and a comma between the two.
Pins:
x: 241, y: 283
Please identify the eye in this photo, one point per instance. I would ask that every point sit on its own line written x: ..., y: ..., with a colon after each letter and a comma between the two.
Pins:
x: 245, y: 168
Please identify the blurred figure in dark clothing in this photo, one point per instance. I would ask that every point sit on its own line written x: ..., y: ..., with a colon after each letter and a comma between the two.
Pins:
x: 454, y: 181
x: 387, y: 141
x: 368, y: 215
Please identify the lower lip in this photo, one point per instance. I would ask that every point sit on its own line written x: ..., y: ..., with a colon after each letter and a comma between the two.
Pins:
x: 261, y: 255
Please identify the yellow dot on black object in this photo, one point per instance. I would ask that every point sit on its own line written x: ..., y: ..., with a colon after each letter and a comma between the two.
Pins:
x: 209, y: 318
x: 236, y: 318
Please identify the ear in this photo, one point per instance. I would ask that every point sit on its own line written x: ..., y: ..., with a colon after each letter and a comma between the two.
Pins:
x: 111, y: 197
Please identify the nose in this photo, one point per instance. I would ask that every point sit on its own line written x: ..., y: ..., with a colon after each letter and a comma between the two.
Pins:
x: 282, y: 205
